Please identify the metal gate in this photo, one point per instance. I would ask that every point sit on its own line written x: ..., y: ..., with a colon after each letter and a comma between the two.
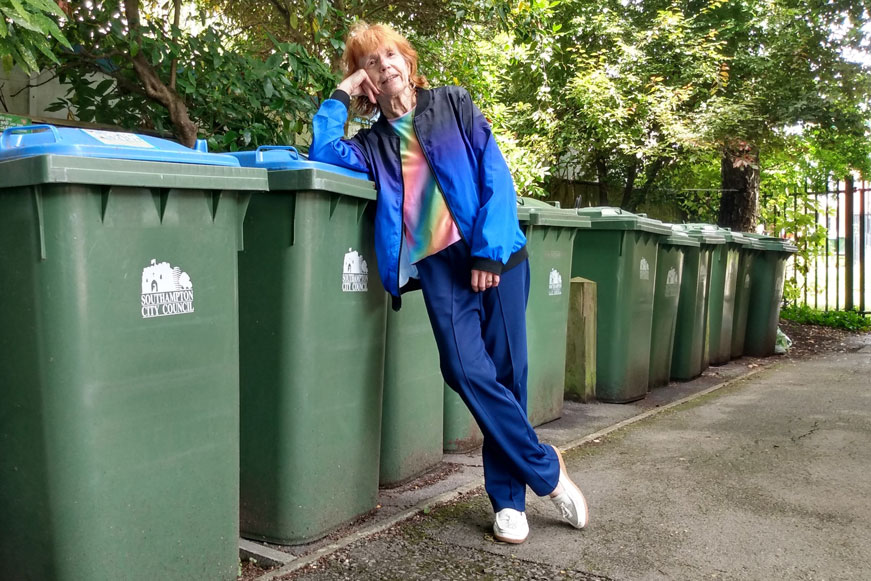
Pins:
x: 831, y: 229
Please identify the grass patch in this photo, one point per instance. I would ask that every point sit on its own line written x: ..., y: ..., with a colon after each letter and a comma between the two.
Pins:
x: 848, y: 320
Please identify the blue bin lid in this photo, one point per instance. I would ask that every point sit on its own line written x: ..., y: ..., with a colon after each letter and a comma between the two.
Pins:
x: 34, y: 140
x: 286, y: 157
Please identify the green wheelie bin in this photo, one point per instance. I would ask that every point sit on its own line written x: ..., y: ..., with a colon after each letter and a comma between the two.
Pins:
x: 766, y: 294
x: 690, y: 354
x: 460, y: 431
x: 312, y: 325
x: 724, y: 283
x: 619, y: 253
x: 550, y: 234
x: 669, y: 272
x: 412, y: 418
x: 749, y: 252
x: 119, y: 418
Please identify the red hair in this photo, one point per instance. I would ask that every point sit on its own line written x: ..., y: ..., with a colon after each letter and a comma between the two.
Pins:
x: 365, y: 39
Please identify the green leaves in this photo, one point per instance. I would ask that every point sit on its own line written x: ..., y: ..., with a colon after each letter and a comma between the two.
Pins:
x: 238, y: 98
x: 27, y: 28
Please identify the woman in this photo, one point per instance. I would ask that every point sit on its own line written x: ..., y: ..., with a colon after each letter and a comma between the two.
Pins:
x: 446, y: 222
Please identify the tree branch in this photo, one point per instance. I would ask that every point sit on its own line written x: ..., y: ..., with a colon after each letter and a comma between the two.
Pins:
x: 175, y: 21
x: 185, y: 129
x: 91, y: 62
x: 29, y: 86
x: 282, y: 9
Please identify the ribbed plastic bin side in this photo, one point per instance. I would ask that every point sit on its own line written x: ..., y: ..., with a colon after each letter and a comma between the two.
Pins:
x: 119, y: 357
x: 666, y: 301
x: 312, y: 336
x: 619, y: 253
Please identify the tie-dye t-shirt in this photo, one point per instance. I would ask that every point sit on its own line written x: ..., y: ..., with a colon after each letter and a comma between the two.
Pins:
x: 429, y: 226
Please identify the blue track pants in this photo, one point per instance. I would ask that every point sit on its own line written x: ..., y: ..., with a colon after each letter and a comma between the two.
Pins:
x: 481, y: 339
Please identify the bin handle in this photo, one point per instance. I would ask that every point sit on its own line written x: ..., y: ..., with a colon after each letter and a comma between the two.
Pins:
x: 291, y: 150
x: 28, y: 128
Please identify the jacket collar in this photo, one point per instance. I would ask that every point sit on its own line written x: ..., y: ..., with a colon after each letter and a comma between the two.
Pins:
x: 424, y: 97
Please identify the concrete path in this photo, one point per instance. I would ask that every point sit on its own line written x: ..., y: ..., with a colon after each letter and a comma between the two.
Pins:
x: 766, y: 478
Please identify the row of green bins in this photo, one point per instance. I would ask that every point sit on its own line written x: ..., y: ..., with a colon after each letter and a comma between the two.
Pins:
x: 767, y: 274
x: 412, y: 418
x: 749, y: 252
x: 619, y: 253
x: 119, y: 448
x: 667, y: 289
x: 312, y: 328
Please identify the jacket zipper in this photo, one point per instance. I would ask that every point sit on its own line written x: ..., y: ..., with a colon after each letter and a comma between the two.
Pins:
x: 394, y: 140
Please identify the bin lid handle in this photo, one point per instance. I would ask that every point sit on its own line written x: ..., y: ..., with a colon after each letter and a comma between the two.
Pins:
x: 7, y: 133
x: 291, y: 151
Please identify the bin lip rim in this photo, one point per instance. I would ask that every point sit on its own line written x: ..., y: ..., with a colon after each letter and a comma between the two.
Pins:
x: 253, y: 179
x: 737, y: 238
x: 623, y: 220
x: 730, y: 236
x: 293, y: 163
x: 776, y: 246
x: 537, y: 204
x: 157, y: 149
x: 709, y: 237
x: 755, y: 244
x: 335, y: 182
x: 675, y: 240
x: 554, y: 217
x: 773, y: 243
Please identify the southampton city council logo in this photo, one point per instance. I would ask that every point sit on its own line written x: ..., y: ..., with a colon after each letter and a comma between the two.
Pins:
x: 672, y: 283
x: 644, y: 270
x: 355, y: 273
x: 166, y: 290
x: 554, y: 283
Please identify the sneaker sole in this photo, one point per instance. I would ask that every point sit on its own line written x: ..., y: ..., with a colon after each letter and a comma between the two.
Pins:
x: 562, y: 468
x: 507, y: 540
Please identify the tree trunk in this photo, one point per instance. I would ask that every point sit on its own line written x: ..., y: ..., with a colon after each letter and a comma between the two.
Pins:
x: 629, y: 189
x: 185, y: 129
x: 602, y: 178
x: 739, y: 175
x: 640, y: 194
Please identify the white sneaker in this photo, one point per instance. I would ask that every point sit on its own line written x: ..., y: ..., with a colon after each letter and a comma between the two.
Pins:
x: 570, y: 503
x: 510, y: 526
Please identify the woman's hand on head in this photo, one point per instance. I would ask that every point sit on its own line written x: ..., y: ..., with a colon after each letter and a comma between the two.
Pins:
x: 482, y: 280
x: 359, y: 84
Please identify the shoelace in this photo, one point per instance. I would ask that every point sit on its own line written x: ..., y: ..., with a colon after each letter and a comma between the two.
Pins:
x: 563, y: 504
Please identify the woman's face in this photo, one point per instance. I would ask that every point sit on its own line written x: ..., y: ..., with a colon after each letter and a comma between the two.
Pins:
x: 388, y: 70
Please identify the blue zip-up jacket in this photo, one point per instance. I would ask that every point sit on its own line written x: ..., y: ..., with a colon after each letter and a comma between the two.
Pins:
x: 462, y: 154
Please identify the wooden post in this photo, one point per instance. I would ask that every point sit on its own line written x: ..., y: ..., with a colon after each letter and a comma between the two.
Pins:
x: 581, y: 341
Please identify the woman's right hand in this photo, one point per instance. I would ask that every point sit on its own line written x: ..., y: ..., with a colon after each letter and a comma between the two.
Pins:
x: 359, y: 84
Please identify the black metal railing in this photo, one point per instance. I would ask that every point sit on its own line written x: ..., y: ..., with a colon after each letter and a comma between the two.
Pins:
x: 831, y: 230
